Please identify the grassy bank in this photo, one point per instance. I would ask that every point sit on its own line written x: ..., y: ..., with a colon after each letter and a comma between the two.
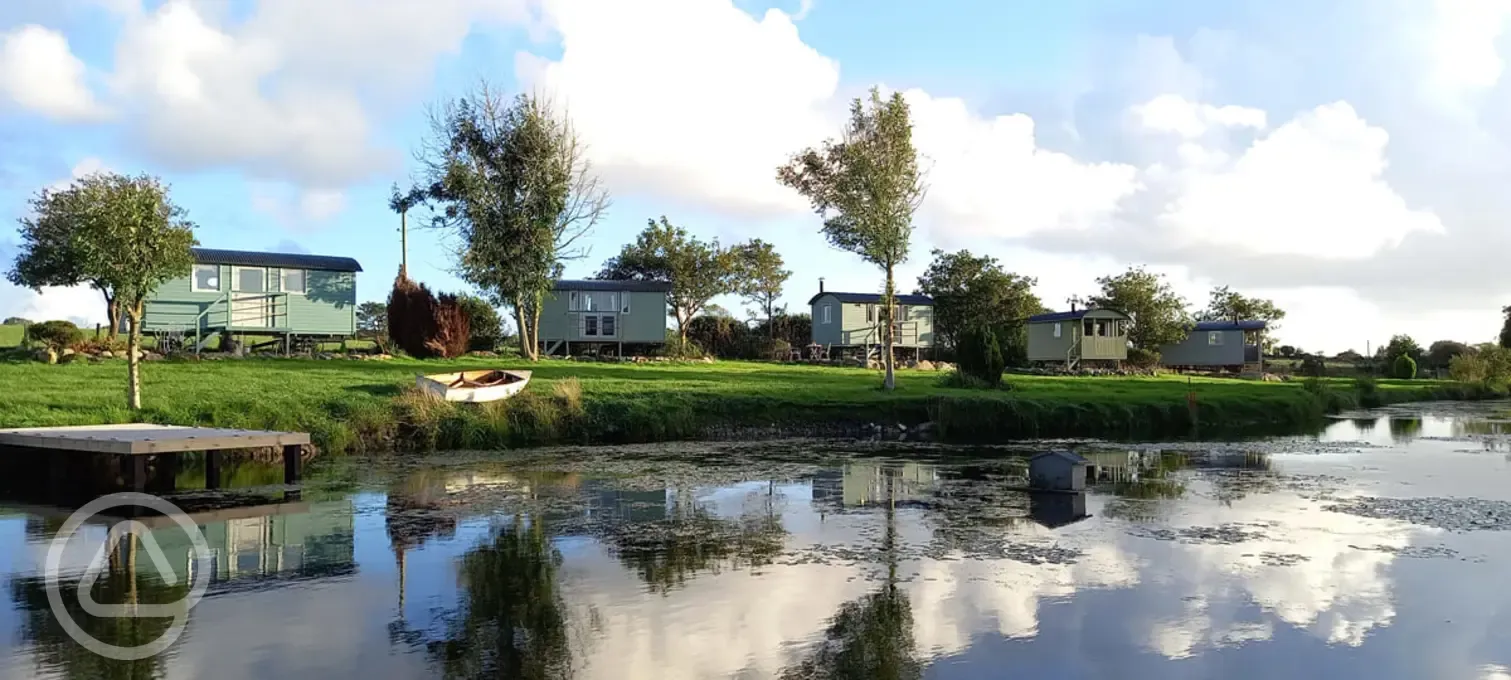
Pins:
x: 366, y: 405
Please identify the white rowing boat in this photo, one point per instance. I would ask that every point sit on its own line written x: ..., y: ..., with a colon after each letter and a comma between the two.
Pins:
x: 474, y: 386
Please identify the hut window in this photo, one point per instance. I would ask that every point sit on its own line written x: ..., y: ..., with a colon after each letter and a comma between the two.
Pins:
x: 1214, y: 338
x: 206, y: 278
x: 1057, y: 330
x: 294, y: 281
x: 249, y: 280
x: 590, y: 326
x: 607, y: 326
x: 827, y: 317
x: 870, y: 313
x: 624, y: 303
x: 572, y: 303
x: 902, y: 313
x: 1088, y: 328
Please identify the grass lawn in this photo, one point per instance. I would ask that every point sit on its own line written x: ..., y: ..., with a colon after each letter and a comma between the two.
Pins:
x: 366, y: 404
x: 11, y: 334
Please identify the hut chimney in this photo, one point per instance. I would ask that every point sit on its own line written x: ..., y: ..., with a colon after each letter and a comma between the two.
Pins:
x: 821, y: 285
x: 1072, y: 305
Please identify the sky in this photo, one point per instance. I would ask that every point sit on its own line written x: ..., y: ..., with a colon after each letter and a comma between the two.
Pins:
x: 1346, y: 159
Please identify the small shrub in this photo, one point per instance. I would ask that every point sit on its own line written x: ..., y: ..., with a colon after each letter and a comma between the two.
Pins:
x: 961, y: 380
x: 1404, y: 367
x: 1315, y: 386
x: 56, y: 334
x: 1468, y: 368
x: 1139, y: 357
x: 1313, y: 365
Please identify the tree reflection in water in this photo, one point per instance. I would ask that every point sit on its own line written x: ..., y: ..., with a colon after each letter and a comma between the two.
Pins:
x: 870, y: 638
x: 511, y: 620
x: 666, y: 552
x: 54, y: 651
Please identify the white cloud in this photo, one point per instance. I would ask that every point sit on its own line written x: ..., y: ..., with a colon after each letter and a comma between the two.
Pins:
x: 1312, y: 187
x: 1461, y: 46
x: 691, y: 98
x: 293, y: 208
x: 1173, y: 113
x: 39, y: 72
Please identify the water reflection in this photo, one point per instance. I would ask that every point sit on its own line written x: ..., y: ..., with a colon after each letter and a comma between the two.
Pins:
x: 510, y: 620
x: 1180, y: 560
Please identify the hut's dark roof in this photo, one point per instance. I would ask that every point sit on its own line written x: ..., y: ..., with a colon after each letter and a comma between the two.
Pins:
x: 1066, y: 455
x: 1255, y: 325
x: 1070, y: 316
x: 873, y: 298
x: 248, y: 258
x: 602, y: 285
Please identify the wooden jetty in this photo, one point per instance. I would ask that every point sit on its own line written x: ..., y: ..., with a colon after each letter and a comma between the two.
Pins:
x: 135, y: 443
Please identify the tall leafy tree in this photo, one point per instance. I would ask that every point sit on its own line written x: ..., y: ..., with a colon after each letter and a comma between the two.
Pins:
x: 1158, y: 312
x: 120, y: 233
x: 866, y: 187
x: 511, y: 180
x: 1227, y: 305
x: 973, y: 292
x: 1441, y: 353
x: 698, y: 271
x: 1399, y: 345
x: 760, y: 277
x: 51, y: 255
x: 1505, y: 339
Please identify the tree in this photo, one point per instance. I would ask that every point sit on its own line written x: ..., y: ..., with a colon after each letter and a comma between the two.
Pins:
x: 51, y: 252
x: 424, y: 325
x: 1226, y: 305
x: 1442, y: 352
x: 975, y: 292
x: 1288, y: 351
x: 513, y: 183
x: 120, y: 234
x: 866, y: 187
x: 1398, y: 345
x: 760, y: 276
x: 372, y: 322
x: 16, y: 321
x: 697, y: 271
x: 484, y: 327
x: 980, y: 355
x: 1158, y: 313
x: 1506, y: 327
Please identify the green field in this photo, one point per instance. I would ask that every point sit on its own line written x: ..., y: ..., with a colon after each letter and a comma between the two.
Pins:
x: 352, y: 405
x: 11, y: 335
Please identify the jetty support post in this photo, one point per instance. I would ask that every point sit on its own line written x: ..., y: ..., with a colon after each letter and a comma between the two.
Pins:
x: 212, y: 470
x: 291, y: 463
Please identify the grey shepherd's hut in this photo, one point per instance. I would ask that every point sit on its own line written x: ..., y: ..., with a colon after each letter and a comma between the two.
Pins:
x: 1218, y: 344
x: 601, y: 314
x: 853, y: 320
x: 1057, y: 471
x: 1078, y: 335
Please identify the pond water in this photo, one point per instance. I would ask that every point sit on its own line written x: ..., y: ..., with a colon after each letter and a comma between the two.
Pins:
x: 1381, y: 548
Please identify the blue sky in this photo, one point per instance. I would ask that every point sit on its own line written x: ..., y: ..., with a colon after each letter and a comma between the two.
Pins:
x: 1332, y: 158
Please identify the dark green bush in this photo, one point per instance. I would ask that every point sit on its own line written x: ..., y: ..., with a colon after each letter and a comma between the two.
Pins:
x: 981, y: 356
x: 56, y: 334
x: 722, y: 336
x: 1313, y: 365
x: 485, y: 327
x: 1138, y: 357
x: 1404, y: 367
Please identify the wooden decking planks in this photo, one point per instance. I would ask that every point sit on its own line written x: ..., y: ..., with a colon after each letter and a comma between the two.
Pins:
x: 147, y: 439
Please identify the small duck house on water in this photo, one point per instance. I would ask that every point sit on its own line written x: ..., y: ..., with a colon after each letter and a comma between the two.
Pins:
x: 1057, y: 471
